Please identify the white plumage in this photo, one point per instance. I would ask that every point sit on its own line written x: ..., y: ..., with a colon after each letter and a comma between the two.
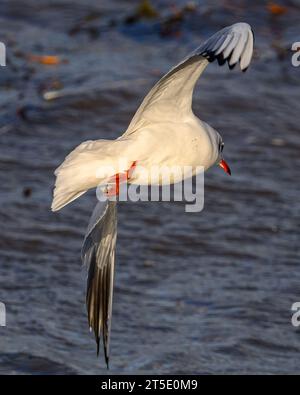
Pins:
x: 163, y: 132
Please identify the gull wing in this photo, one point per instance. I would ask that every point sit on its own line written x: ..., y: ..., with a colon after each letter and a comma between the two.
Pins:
x: 171, y: 98
x: 98, y: 254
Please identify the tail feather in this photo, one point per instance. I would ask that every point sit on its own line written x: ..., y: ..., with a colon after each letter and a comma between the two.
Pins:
x: 78, y: 172
x: 62, y: 199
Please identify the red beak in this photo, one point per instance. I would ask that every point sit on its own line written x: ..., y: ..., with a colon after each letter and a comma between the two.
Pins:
x: 225, y: 167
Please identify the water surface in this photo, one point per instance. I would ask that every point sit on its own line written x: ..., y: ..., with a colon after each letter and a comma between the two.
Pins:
x: 209, y: 292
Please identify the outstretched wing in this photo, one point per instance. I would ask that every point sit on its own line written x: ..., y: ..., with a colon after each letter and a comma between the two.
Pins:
x: 171, y: 98
x: 98, y: 254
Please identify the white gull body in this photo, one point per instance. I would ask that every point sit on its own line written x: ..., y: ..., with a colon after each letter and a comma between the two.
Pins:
x: 163, y: 132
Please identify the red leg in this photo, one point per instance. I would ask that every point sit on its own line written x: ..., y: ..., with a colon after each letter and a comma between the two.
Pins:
x: 119, y: 178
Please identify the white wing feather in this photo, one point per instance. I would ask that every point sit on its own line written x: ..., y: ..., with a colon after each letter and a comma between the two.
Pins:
x: 171, y: 97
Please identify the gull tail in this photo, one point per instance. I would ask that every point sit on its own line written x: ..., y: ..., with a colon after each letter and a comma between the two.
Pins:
x: 81, y: 169
x: 98, y: 254
x: 71, y: 181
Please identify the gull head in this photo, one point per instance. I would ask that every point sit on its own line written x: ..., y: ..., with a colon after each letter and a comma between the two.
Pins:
x: 215, y: 147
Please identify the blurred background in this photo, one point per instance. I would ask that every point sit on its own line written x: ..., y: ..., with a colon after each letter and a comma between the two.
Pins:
x: 208, y: 292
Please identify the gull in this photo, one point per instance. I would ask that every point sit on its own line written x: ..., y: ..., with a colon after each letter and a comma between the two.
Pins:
x: 163, y: 132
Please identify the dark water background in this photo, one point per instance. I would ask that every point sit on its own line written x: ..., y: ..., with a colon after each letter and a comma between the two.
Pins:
x: 209, y: 292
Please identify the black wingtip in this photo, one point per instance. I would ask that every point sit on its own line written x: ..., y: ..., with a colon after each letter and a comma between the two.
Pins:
x: 210, y: 56
x: 106, y: 356
x: 221, y: 60
x: 106, y: 353
x: 107, y: 362
x: 245, y: 69
x: 98, y: 346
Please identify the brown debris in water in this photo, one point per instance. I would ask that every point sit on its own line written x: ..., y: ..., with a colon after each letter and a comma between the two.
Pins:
x: 49, y: 60
x: 276, y: 9
x: 145, y: 10
x: 27, y: 192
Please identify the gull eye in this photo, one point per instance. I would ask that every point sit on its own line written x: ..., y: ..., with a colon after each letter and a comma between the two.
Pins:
x: 221, y: 146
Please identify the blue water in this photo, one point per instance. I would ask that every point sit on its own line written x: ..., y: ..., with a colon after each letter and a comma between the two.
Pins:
x: 208, y: 292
